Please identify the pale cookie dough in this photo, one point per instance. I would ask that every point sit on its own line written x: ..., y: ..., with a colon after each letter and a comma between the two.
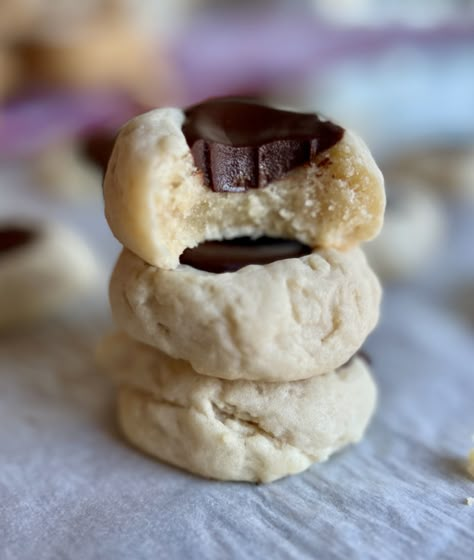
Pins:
x: 290, y: 319
x: 42, y: 268
x: 413, y: 231
x: 157, y: 205
x: 235, y: 430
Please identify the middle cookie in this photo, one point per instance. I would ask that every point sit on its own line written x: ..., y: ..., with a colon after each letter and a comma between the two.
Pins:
x: 287, y: 320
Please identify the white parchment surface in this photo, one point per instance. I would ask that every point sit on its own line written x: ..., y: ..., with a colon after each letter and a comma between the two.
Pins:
x: 71, y: 488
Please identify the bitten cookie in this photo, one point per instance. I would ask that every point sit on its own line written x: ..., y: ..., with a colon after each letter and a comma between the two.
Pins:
x: 42, y: 267
x: 229, y: 168
x: 289, y: 319
x: 235, y: 430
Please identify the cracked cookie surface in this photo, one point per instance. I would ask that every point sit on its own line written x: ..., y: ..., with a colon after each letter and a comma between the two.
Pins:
x: 234, y: 430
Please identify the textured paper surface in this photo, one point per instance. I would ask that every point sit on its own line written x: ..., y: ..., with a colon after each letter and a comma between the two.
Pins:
x: 71, y: 488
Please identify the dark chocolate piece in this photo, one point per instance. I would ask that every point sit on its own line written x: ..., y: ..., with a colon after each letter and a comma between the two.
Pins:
x: 12, y: 238
x: 231, y: 255
x: 238, y: 145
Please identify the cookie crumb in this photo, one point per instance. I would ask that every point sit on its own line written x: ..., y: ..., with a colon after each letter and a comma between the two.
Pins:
x: 469, y: 501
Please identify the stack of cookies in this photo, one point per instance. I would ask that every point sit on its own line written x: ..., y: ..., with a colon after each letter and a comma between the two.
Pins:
x: 241, y: 294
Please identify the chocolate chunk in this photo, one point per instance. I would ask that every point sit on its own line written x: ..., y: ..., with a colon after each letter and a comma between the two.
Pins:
x: 231, y: 255
x: 238, y: 145
x: 12, y: 238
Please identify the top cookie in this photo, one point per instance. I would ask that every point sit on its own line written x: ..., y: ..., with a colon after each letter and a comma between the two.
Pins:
x: 229, y: 168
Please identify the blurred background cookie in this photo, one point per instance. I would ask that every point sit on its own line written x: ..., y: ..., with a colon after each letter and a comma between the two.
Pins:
x: 412, y: 234
x: 65, y: 171
x: 74, y: 169
x: 43, y: 267
x: 91, y: 45
x: 445, y: 168
x: 18, y: 18
x: 104, y: 54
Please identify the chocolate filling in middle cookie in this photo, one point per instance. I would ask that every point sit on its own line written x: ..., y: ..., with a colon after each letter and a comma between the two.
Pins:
x: 233, y: 254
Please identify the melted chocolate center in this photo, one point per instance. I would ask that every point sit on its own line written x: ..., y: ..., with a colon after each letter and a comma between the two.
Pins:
x: 238, y: 145
x: 12, y: 238
x: 229, y: 256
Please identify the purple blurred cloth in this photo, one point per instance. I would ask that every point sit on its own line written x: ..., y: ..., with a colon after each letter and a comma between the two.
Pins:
x: 30, y: 123
x: 221, y: 53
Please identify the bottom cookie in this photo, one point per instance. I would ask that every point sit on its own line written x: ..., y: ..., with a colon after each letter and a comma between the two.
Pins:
x: 234, y: 430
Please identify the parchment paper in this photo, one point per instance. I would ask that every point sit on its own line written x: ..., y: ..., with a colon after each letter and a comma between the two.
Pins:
x: 71, y: 488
